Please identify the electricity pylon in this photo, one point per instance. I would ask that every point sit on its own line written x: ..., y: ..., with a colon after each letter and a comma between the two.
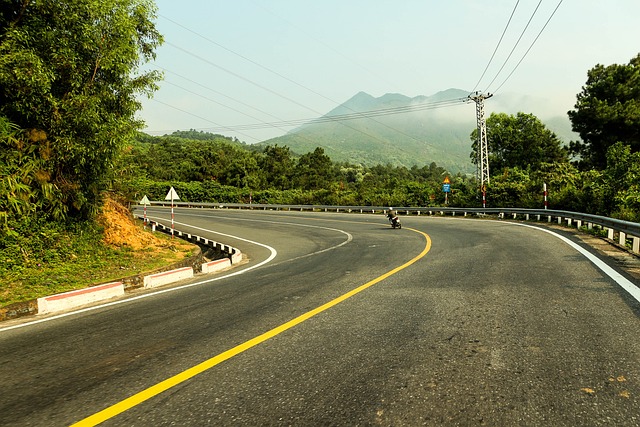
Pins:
x: 482, y: 171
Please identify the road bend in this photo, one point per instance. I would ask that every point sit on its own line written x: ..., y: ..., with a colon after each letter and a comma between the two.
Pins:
x: 336, y: 319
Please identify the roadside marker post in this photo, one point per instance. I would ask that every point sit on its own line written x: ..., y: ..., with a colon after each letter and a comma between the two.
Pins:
x: 145, y: 201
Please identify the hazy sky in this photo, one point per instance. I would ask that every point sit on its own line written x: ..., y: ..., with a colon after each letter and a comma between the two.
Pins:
x: 239, y: 62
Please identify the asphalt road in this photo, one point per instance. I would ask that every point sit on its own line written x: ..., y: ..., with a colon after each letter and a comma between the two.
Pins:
x: 336, y: 319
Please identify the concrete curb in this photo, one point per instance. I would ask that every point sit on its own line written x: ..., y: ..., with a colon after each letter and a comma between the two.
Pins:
x: 72, y: 299
x: 233, y: 254
x: 216, y: 265
x: 167, y: 277
x: 76, y: 298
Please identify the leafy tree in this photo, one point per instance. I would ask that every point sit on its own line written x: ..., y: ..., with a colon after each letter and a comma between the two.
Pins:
x: 607, y: 111
x: 521, y: 141
x: 313, y: 170
x: 621, y: 196
x: 277, y: 165
x: 68, y: 74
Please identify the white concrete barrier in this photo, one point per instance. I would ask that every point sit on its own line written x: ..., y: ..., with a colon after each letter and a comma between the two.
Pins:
x: 216, y: 265
x: 166, y: 277
x: 72, y: 299
x: 236, y: 257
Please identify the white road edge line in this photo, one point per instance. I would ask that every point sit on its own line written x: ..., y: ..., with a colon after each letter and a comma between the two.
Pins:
x: 625, y: 283
x: 157, y: 292
x: 162, y: 291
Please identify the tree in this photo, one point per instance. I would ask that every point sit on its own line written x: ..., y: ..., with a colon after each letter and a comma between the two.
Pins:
x: 622, y: 183
x: 313, y: 170
x: 68, y: 72
x: 607, y: 111
x: 277, y: 165
x: 519, y: 141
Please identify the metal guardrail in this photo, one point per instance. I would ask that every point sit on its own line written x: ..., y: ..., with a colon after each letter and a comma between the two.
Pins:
x: 616, y: 229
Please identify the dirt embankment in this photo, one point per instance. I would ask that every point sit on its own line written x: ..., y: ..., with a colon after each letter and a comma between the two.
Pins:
x: 120, y: 229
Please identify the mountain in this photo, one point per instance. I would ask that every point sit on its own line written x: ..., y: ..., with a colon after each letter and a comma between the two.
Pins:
x: 397, y: 130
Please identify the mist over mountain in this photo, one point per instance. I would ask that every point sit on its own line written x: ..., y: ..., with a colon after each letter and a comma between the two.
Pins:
x: 404, y: 131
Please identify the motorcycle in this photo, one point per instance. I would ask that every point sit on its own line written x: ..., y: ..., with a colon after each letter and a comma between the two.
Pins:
x: 395, y: 222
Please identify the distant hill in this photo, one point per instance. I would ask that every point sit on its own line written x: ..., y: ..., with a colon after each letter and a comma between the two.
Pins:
x: 429, y: 129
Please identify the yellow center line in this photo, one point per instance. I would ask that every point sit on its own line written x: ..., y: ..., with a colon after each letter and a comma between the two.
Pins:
x: 165, y: 385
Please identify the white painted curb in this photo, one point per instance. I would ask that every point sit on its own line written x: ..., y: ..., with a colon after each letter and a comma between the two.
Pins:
x: 236, y: 257
x: 216, y: 265
x: 166, y: 277
x: 72, y: 299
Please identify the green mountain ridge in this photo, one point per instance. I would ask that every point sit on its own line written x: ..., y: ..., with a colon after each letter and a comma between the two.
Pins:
x: 429, y: 129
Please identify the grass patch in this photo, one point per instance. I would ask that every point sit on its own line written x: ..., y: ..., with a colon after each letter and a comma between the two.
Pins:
x: 46, y: 259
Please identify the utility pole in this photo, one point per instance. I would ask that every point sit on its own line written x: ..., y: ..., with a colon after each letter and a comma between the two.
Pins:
x: 482, y: 171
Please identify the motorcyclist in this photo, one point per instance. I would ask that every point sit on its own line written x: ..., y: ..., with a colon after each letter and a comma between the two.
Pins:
x: 391, y: 214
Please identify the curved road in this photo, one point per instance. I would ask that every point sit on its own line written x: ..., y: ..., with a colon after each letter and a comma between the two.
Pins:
x: 336, y: 319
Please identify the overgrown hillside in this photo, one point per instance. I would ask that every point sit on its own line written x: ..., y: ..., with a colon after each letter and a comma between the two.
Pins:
x: 404, y: 131
x: 419, y: 136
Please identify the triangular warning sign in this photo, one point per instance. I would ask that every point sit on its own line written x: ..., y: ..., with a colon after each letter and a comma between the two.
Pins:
x: 172, y: 195
x: 145, y: 200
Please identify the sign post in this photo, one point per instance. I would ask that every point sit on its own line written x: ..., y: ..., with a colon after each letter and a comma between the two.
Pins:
x: 145, y: 201
x: 544, y: 189
x: 446, y: 188
x: 172, y: 195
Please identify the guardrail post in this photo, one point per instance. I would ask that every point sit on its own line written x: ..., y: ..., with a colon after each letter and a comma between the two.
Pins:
x: 578, y: 223
x: 636, y: 244
x: 610, y: 233
x: 622, y: 239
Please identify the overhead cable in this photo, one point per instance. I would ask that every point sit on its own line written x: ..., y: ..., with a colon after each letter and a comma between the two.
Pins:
x: 534, y: 41
x: 497, y: 46
x: 514, y: 46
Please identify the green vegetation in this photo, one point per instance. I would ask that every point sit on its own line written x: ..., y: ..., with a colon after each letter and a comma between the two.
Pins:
x: 607, y: 111
x: 49, y: 258
x: 415, y: 137
x: 68, y: 96
x: 69, y: 86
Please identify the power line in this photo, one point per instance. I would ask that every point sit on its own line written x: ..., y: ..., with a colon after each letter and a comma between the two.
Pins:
x: 515, y: 45
x: 201, y: 118
x: 278, y: 74
x: 218, y: 93
x: 534, y: 41
x: 200, y: 58
x: 497, y: 46
x: 331, y: 48
x: 357, y: 115
x: 270, y: 125
x: 336, y: 118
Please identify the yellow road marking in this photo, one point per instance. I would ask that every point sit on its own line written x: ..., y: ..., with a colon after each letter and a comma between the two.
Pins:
x: 165, y: 385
